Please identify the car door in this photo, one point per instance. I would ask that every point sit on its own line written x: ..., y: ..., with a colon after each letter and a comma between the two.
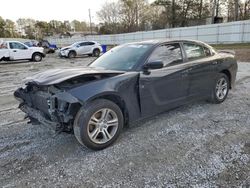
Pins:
x: 89, y: 47
x: 84, y: 48
x: 202, y: 72
x: 164, y: 88
x: 19, y: 51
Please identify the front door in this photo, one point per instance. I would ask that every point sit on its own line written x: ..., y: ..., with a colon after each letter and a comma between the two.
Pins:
x: 19, y: 51
x: 164, y: 88
x: 84, y: 48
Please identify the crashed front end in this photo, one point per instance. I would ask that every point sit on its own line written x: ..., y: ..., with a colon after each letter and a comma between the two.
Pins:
x: 48, y: 105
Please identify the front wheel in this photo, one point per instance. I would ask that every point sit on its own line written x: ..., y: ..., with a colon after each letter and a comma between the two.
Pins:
x: 99, y: 124
x: 72, y: 54
x: 220, y: 89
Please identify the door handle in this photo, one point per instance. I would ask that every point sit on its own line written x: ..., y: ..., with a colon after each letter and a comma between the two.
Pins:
x: 215, y: 63
x: 14, y: 51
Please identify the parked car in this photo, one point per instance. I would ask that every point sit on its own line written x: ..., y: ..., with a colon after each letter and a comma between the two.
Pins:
x: 48, y: 48
x: 14, y: 50
x: 90, y: 48
x: 128, y: 83
x: 31, y: 43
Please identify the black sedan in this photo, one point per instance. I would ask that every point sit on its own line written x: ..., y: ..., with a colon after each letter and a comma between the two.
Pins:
x: 129, y: 83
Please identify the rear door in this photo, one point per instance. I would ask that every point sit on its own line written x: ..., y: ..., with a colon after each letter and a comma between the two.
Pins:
x: 89, y: 47
x: 202, y: 73
x: 85, y: 48
x: 19, y: 51
x: 164, y: 88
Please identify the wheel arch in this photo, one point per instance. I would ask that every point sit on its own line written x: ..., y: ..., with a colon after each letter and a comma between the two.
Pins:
x: 36, y: 53
x: 72, y: 50
x: 228, y: 74
x: 96, y: 48
x: 117, y: 99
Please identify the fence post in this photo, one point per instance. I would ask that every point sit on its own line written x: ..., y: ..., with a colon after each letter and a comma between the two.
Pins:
x: 242, y: 32
x: 218, y: 33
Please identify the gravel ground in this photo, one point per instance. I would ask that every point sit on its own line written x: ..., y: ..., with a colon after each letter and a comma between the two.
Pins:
x: 198, y: 145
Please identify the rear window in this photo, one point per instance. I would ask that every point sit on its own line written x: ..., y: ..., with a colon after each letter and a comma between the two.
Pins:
x: 194, y: 51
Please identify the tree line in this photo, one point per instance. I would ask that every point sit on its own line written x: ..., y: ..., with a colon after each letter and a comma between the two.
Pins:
x: 34, y: 29
x: 123, y: 16
x: 138, y: 15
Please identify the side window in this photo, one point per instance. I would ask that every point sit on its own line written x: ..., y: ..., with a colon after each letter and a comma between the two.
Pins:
x: 90, y: 43
x: 207, y: 51
x: 169, y: 54
x: 194, y: 51
x: 15, y: 45
x: 3, y: 46
x: 82, y: 44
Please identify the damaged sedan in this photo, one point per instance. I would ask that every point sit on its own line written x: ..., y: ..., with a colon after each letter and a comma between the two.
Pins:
x: 128, y: 83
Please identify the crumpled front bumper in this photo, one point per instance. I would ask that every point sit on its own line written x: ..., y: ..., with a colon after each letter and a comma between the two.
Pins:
x: 38, y: 116
x: 63, y: 53
x: 53, y: 110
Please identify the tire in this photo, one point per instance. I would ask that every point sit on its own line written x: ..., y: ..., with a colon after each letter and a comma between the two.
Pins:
x: 96, y: 53
x: 220, y: 89
x: 95, y: 132
x: 72, y: 54
x: 36, y: 57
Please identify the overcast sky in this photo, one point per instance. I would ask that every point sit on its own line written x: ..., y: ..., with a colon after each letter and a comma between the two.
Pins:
x: 47, y: 10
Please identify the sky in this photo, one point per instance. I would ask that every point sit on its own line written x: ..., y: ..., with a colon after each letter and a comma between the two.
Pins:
x: 46, y: 10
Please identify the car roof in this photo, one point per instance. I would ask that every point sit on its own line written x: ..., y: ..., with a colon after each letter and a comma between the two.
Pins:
x: 160, y: 41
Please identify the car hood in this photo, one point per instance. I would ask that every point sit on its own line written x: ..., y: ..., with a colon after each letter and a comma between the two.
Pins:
x: 55, y: 76
x: 66, y: 47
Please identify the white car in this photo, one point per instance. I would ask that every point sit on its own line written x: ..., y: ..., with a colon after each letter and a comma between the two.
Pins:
x: 90, y: 48
x: 14, y: 50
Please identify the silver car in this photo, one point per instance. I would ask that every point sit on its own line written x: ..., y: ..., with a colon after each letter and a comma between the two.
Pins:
x: 90, y: 48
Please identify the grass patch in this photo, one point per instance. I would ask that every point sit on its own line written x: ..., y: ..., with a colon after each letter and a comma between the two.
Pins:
x: 232, y: 46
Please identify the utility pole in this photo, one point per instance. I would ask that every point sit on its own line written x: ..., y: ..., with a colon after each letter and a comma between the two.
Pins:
x: 217, y: 8
x: 236, y: 9
x: 90, y: 23
x: 214, y: 3
x: 173, y: 13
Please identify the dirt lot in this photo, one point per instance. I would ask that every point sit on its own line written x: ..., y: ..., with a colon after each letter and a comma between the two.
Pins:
x: 198, y: 145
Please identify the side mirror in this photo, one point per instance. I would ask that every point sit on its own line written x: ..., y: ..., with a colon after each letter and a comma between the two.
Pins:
x: 153, y: 65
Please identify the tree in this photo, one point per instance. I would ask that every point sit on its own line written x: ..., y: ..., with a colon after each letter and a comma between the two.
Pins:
x: 109, y: 15
x: 2, y: 27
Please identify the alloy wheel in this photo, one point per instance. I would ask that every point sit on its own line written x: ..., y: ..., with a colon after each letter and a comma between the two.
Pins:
x: 221, y: 88
x: 102, y: 126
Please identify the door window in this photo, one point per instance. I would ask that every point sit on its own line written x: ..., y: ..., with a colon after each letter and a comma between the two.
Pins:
x: 82, y: 44
x: 15, y: 45
x: 90, y: 43
x: 194, y: 51
x: 207, y: 51
x: 169, y: 54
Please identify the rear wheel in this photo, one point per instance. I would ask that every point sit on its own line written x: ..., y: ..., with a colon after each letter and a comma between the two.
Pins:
x: 72, y: 54
x: 37, y: 57
x: 99, y: 124
x: 220, y: 89
x: 96, y: 52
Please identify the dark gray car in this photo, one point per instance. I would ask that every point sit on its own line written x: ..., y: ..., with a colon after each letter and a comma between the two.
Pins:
x: 128, y: 83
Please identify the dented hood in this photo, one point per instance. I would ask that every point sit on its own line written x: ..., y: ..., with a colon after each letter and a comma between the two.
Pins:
x: 55, y: 76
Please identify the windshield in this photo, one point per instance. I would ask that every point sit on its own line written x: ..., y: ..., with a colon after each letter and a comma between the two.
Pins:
x: 123, y: 57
